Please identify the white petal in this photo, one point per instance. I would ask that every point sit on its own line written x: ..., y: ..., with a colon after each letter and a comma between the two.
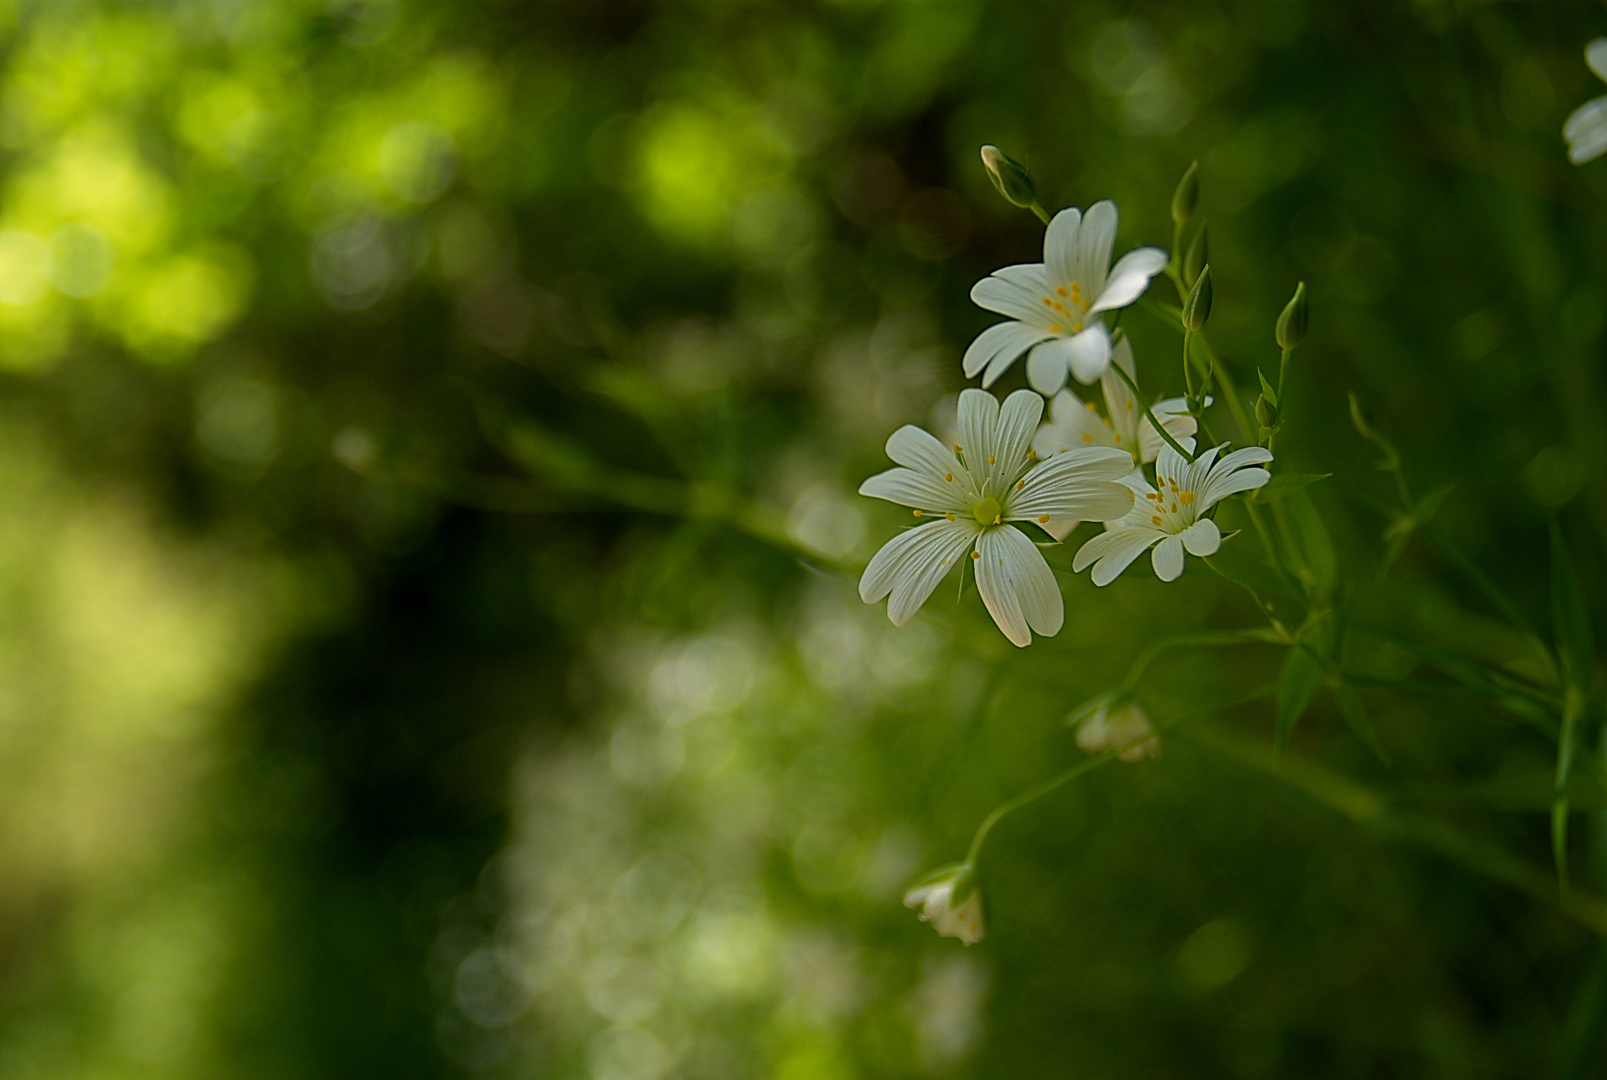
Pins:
x: 1586, y: 131
x: 1114, y: 551
x: 1082, y: 483
x: 1119, y: 400
x: 1060, y: 246
x: 1088, y: 354
x: 916, y: 449
x: 1017, y: 586
x: 1202, y: 538
x: 1047, y: 365
x: 1129, y: 278
x: 1168, y: 559
x: 1094, y: 242
x: 1070, y: 420
x: 1596, y: 57
x: 914, y: 487
x: 1229, y: 475
x: 977, y: 419
x: 910, y: 565
x: 1018, y: 420
x: 1002, y: 342
x: 1059, y: 528
x: 1016, y: 291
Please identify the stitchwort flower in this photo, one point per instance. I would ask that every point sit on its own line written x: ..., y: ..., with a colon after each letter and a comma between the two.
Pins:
x: 1586, y: 127
x: 1168, y: 517
x: 990, y: 478
x: 1056, y: 305
x: 1119, y: 725
x: 1074, y: 423
x: 935, y: 896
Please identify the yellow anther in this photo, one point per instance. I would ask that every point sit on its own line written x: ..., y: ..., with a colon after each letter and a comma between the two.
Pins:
x: 1187, y: 497
x: 1174, y: 507
x: 958, y: 449
x: 1087, y: 437
x: 1156, y: 519
x: 976, y: 554
x: 917, y: 513
x: 1090, y: 406
x: 1043, y: 519
x: 1061, y: 289
x: 1020, y: 484
x: 1076, y: 328
x: 992, y: 460
x: 1048, y: 301
x: 1056, y: 328
x: 950, y: 515
x: 949, y: 477
x: 1032, y: 455
x: 1151, y: 496
x: 1118, y: 438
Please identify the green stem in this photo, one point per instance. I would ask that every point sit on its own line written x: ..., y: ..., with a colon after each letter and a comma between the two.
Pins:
x: 1043, y: 215
x: 1089, y: 765
x: 1155, y: 648
x: 1144, y: 406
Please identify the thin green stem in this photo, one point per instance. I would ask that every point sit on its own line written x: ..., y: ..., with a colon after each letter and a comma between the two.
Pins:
x: 1043, y: 215
x: 1150, y: 416
x: 1092, y: 763
x: 1209, y: 639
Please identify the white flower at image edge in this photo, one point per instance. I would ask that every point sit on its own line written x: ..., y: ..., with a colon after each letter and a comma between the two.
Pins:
x: 1056, y: 305
x: 1075, y: 423
x: 936, y: 901
x: 974, y: 490
x: 1586, y: 127
x: 1169, y: 518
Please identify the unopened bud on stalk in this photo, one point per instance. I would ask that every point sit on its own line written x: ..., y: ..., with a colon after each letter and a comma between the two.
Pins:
x: 1197, y: 307
x: 1011, y: 177
x: 950, y: 900
x: 1186, y: 195
x: 1198, y: 255
x: 1266, y: 413
x: 1292, y: 323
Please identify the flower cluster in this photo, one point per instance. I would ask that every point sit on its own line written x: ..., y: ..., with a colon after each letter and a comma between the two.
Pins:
x: 1009, y: 478
x: 1008, y: 483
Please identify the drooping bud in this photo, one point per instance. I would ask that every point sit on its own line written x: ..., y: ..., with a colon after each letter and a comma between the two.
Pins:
x: 1199, y: 254
x: 1011, y: 177
x: 1186, y: 195
x: 1266, y: 413
x: 1292, y: 323
x: 1197, y: 307
x: 950, y: 900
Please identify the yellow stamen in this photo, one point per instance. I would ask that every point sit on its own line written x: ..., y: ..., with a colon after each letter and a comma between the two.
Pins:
x: 917, y: 513
x: 1118, y: 438
x: 998, y: 519
x: 1090, y: 406
x: 1061, y: 289
x: 950, y: 515
x: 1076, y: 328
x: 992, y: 460
x: 1156, y: 519
x: 949, y: 477
x: 1087, y: 437
x: 1043, y: 519
x: 976, y: 554
x: 1020, y: 484
x: 1174, y: 507
x: 1056, y: 328
x: 1187, y: 498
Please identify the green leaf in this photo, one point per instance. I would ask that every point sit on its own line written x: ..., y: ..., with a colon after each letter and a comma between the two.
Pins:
x: 1575, y: 647
x: 1266, y: 387
x: 1355, y: 714
x: 1315, y: 542
x: 1286, y: 484
x: 1570, y: 619
x: 1587, y: 1022
x: 1301, y: 675
x: 1429, y: 504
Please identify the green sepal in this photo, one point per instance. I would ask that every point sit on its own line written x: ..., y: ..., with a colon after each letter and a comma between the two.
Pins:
x: 1266, y: 388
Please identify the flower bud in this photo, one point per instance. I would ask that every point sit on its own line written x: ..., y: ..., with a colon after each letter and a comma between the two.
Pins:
x: 1011, y: 177
x: 1199, y: 254
x: 1266, y: 413
x: 951, y: 901
x: 1197, y: 307
x: 1292, y: 323
x: 1186, y: 195
x: 1119, y: 724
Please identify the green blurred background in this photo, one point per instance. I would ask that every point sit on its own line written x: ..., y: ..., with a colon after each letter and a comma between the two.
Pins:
x: 429, y: 643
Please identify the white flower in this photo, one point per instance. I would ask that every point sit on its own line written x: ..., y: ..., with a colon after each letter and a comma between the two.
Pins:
x: 936, y: 901
x: 989, y: 478
x: 1123, y: 725
x: 1075, y: 423
x: 1169, y: 519
x: 1586, y: 127
x: 1055, y: 305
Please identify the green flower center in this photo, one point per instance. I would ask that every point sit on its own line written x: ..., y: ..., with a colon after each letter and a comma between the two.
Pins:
x: 987, y: 511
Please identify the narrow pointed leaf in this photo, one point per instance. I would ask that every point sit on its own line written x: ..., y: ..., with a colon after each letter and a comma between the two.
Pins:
x: 1301, y: 675
x: 1571, y: 626
x: 1266, y: 387
x: 1355, y: 714
x: 1315, y: 542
